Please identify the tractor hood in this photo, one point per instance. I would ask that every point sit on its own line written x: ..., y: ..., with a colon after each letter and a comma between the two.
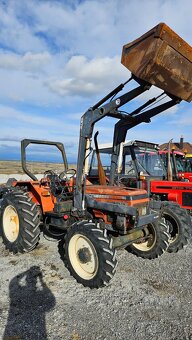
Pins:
x: 117, y: 194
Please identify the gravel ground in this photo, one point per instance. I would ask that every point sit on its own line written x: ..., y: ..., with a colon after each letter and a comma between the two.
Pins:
x: 145, y: 299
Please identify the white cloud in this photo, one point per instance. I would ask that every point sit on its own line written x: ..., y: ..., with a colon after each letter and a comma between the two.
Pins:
x: 99, y: 28
x: 27, y: 62
x: 43, y: 78
x: 85, y: 77
x: 18, y: 125
x: 15, y: 34
x: 183, y: 118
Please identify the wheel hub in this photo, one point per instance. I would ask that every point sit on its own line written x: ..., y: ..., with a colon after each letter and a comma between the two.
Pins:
x: 84, y: 255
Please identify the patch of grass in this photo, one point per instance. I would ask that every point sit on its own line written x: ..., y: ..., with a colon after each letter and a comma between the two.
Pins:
x: 14, y: 167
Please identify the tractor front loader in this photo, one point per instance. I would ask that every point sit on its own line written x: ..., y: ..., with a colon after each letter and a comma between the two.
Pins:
x: 96, y: 219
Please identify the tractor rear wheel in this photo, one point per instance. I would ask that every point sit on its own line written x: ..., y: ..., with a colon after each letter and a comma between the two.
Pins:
x: 179, y: 224
x: 19, y: 222
x: 88, y: 255
x: 155, y: 243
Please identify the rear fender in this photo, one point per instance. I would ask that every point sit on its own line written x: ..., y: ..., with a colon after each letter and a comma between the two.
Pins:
x: 40, y: 194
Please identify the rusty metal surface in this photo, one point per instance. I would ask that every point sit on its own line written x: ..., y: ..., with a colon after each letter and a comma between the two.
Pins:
x: 111, y: 190
x: 163, y: 59
x: 106, y: 193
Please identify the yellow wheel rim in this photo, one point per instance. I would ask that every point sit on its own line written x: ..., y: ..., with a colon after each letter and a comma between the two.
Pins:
x: 83, y: 256
x: 147, y: 245
x: 11, y: 223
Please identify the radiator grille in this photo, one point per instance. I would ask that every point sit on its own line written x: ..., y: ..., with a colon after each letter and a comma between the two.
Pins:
x: 187, y: 199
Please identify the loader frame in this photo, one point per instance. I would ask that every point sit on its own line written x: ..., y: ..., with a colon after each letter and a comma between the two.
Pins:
x: 126, y: 122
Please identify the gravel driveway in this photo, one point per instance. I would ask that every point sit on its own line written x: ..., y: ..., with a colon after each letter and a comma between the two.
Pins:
x: 145, y: 299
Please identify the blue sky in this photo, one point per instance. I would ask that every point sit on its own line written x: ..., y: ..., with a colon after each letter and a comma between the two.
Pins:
x: 57, y: 58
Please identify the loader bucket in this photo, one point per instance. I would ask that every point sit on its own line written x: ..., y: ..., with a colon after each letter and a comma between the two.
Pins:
x: 163, y: 59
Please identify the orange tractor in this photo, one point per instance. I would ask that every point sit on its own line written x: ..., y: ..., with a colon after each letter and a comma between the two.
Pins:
x: 98, y: 219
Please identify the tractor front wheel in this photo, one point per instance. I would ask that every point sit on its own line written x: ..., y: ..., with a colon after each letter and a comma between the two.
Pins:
x: 154, y: 243
x: 19, y: 222
x: 179, y: 225
x: 88, y: 254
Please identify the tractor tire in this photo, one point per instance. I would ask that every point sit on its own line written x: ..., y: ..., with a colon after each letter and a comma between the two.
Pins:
x: 156, y: 243
x: 88, y: 254
x: 19, y: 222
x: 179, y: 224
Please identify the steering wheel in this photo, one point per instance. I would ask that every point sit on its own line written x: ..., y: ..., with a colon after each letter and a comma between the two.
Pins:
x: 63, y: 174
x: 49, y: 172
x: 50, y: 175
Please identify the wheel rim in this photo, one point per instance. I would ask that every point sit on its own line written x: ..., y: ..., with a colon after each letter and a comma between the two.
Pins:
x: 147, y: 245
x: 11, y: 223
x: 83, y: 256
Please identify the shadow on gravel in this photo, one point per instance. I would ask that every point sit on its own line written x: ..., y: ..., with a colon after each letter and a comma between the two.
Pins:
x: 30, y: 299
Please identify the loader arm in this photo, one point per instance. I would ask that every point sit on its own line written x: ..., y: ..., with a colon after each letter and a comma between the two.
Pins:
x: 88, y: 120
x: 125, y: 123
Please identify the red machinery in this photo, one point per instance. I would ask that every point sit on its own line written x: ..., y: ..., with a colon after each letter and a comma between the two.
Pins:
x: 181, y: 166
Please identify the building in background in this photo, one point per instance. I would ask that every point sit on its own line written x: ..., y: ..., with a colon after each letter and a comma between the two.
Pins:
x: 181, y: 146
